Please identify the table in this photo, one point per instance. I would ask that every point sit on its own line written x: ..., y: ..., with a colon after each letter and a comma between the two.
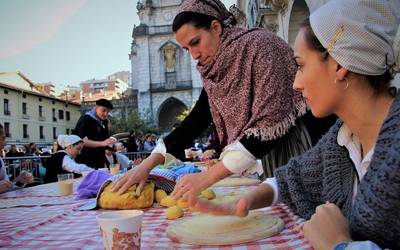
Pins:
x: 37, y: 218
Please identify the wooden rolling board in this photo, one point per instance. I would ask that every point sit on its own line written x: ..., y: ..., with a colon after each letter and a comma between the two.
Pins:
x: 206, y: 229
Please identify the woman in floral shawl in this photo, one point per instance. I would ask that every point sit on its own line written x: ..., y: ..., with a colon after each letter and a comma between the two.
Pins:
x: 248, y: 95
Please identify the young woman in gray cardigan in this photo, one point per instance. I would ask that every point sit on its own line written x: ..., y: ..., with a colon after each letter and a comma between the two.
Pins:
x: 348, y: 185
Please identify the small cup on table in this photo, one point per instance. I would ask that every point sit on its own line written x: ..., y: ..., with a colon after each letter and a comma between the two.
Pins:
x: 65, y: 184
x: 121, y: 227
x: 115, y: 168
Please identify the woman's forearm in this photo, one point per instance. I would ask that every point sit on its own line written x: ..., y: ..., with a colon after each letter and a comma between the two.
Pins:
x: 260, y: 197
x: 153, y: 160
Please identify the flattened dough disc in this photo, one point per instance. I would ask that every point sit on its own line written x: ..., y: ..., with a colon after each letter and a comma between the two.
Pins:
x: 204, y: 229
x: 233, y: 181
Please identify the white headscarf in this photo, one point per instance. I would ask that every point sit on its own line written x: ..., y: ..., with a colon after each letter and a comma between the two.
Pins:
x: 65, y: 140
x: 360, y: 34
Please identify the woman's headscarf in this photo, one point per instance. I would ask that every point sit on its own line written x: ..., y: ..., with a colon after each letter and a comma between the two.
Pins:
x: 214, y: 8
x: 360, y: 34
x: 249, y: 83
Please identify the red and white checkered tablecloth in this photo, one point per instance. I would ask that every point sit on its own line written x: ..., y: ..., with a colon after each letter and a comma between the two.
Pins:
x: 62, y: 226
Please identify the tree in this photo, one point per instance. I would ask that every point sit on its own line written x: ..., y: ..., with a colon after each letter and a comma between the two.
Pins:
x: 132, y: 122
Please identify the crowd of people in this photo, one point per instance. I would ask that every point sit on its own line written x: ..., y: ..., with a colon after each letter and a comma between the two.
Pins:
x: 322, y: 118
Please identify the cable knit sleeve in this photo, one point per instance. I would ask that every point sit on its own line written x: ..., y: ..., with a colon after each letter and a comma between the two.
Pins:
x: 300, y: 182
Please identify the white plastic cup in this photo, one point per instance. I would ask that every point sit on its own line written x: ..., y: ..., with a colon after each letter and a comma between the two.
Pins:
x: 114, y: 168
x: 65, y: 184
x: 121, y: 226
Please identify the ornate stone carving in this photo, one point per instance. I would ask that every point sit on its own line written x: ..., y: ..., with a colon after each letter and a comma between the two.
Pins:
x: 169, y: 52
x: 273, y: 27
x: 278, y: 5
x: 239, y: 16
x: 269, y: 22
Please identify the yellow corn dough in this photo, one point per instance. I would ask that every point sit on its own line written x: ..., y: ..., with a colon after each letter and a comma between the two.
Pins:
x: 127, y: 200
x: 182, y: 203
x: 168, y: 201
x: 173, y: 212
x: 159, y: 195
x: 208, y: 193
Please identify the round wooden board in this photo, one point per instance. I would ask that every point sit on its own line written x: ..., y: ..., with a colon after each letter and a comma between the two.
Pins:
x: 234, y: 181
x: 204, y: 229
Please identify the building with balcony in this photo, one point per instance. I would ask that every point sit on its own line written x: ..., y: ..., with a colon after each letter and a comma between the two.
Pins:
x: 163, y: 74
x: 29, y: 114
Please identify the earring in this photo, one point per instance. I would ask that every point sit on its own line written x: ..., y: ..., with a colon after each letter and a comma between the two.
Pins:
x: 345, y: 79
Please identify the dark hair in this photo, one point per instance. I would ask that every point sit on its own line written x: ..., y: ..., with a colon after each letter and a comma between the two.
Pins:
x: 199, y: 20
x: 380, y: 83
x: 312, y: 41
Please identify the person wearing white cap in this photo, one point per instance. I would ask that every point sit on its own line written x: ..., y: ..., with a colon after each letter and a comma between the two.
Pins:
x: 348, y: 185
x: 63, y: 161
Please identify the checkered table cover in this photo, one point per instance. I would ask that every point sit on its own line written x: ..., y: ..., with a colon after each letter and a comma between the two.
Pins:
x: 63, y: 226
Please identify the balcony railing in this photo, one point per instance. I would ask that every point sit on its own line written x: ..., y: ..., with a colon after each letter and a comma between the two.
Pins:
x: 25, y: 116
x: 171, y: 86
x: 7, y: 112
x: 42, y: 118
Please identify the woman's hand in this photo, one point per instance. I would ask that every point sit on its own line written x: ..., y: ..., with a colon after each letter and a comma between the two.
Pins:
x: 108, y: 142
x: 327, y: 227
x: 5, y: 185
x: 208, y: 154
x: 24, y: 178
x: 190, y: 184
x: 237, y: 208
x: 195, y: 183
x: 137, y: 175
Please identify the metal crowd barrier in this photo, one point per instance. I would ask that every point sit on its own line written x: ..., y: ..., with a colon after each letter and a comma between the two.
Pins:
x: 136, y: 155
x: 34, y: 164
x: 31, y: 164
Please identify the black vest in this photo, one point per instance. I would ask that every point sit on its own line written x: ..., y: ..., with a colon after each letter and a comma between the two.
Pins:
x: 53, y: 167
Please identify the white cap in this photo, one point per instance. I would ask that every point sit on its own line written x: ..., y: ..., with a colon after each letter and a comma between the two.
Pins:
x: 359, y: 34
x: 65, y: 140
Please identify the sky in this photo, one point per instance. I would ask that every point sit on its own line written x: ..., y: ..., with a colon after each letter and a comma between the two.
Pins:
x: 67, y: 41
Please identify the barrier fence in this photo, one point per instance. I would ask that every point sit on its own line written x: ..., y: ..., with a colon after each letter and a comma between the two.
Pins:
x: 35, y: 164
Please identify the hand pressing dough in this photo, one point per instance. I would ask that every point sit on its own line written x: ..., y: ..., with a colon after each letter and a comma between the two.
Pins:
x: 173, y: 213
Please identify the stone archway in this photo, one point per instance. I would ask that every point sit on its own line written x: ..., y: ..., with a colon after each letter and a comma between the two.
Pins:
x: 298, y: 13
x: 168, y: 112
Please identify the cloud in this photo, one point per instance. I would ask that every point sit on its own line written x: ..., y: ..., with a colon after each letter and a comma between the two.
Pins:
x: 32, y: 23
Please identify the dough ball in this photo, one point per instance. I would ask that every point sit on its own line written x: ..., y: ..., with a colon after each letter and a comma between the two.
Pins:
x: 208, y: 193
x: 173, y: 213
x: 182, y: 203
x: 168, y: 201
x: 159, y: 195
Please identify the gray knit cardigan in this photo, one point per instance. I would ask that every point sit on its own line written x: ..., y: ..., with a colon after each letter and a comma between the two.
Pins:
x: 326, y: 173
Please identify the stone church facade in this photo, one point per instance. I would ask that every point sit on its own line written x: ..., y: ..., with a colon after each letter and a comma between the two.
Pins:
x: 283, y: 17
x: 164, y: 75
